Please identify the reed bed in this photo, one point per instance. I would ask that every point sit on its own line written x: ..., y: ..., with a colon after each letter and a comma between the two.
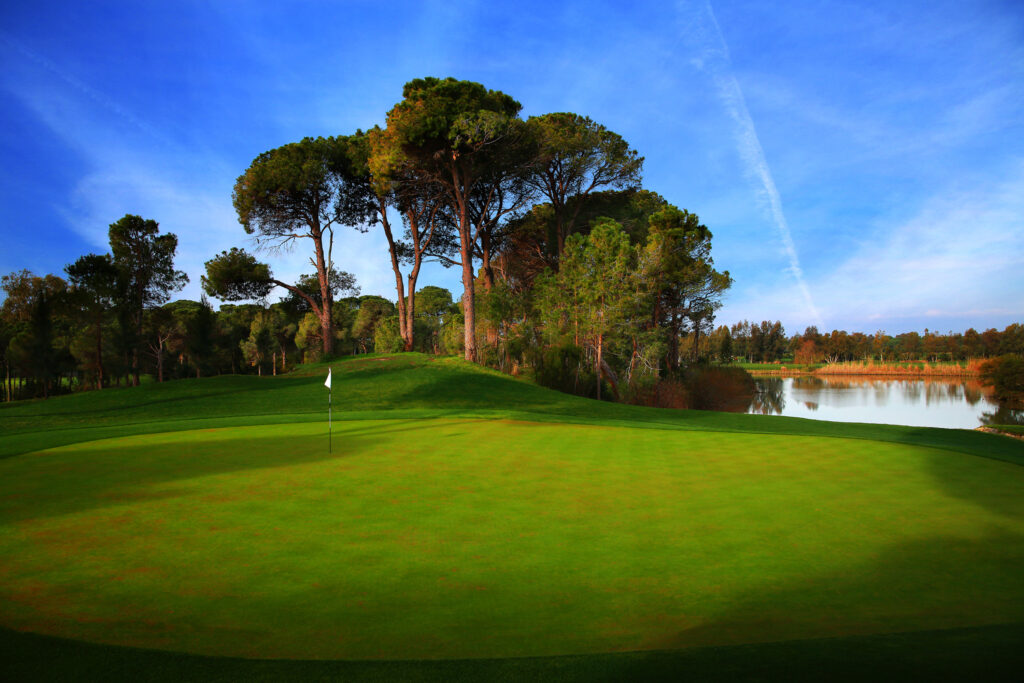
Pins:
x: 968, y: 368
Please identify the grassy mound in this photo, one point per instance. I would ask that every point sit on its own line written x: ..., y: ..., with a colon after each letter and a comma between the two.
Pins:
x: 402, y: 386
x: 515, y: 522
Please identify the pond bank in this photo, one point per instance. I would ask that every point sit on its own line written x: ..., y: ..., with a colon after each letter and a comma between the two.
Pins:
x: 895, y: 370
x: 1000, y: 431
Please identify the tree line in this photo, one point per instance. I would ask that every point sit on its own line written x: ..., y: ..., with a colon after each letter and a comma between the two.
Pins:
x: 38, y: 333
x: 109, y: 322
x: 767, y: 342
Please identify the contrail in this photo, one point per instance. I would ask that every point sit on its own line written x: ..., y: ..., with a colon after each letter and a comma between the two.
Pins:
x: 84, y: 89
x: 715, y: 61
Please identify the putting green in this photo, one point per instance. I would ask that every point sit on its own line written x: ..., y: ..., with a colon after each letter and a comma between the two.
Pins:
x: 448, y: 538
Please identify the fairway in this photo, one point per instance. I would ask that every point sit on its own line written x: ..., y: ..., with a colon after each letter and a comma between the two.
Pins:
x: 456, y: 537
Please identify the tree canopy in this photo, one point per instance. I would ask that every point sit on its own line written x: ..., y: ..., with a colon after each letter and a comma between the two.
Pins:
x: 454, y: 134
x: 574, y: 263
x: 578, y: 156
x: 144, y: 260
x: 295, y: 192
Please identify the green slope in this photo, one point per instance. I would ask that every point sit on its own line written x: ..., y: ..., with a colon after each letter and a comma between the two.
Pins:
x: 404, y: 385
x: 536, y: 533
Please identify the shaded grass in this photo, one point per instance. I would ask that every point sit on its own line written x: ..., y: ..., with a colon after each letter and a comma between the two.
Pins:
x: 951, y: 654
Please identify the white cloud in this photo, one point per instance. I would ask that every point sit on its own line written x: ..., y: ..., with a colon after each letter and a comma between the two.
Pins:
x: 81, y: 90
x: 956, y: 258
x: 135, y: 169
x: 200, y: 213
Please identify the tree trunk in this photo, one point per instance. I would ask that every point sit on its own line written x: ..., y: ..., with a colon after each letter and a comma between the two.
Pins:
x: 273, y: 364
x: 613, y: 379
x: 486, y: 271
x: 468, y: 306
x: 323, y: 273
x: 410, y: 306
x: 407, y: 299
x: 487, y: 276
x: 696, y: 342
x: 99, y: 352
x: 673, y: 344
x: 138, y: 336
x: 468, y: 296
x: 325, y: 332
x: 404, y: 321
x: 160, y: 363
x: 410, y: 315
x: 597, y: 366
x: 462, y: 187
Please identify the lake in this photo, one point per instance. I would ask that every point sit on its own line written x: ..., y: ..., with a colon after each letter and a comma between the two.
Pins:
x: 926, y: 402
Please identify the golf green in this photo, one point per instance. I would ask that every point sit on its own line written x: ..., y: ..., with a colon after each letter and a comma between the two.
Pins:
x: 468, y: 538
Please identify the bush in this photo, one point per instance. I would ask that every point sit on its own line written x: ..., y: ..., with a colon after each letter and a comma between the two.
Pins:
x: 724, y: 388
x: 728, y: 389
x: 387, y: 338
x: 1005, y: 374
x: 453, y: 340
x: 664, y: 393
x: 560, y: 369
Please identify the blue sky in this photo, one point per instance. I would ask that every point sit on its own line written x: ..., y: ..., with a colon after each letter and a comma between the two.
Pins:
x: 861, y: 164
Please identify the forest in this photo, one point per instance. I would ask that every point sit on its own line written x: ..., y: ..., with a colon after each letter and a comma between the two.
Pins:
x: 572, y: 271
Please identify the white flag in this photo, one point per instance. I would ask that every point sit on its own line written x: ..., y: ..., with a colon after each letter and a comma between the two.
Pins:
x: 328, y: 382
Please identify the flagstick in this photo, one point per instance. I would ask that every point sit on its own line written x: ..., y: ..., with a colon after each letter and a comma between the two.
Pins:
x: 330, y: 394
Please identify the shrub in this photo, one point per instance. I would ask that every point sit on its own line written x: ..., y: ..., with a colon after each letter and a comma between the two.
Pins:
x: 453, y: 340
x: 561, y: 368
x: 386, y: 336
x: 720, y: 388
x: 1005, y: 374
x: 663, y: 393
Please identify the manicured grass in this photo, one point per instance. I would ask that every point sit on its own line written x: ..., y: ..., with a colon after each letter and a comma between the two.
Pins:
x: 464, y: 515
x: 453, y: 538
x: 1010, y: 429
x: 401, y: 386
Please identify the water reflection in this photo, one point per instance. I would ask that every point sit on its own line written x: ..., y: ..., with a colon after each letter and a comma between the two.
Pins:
x: 1006, y: 413
x: 926, y: 402
x: 770, y: 398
